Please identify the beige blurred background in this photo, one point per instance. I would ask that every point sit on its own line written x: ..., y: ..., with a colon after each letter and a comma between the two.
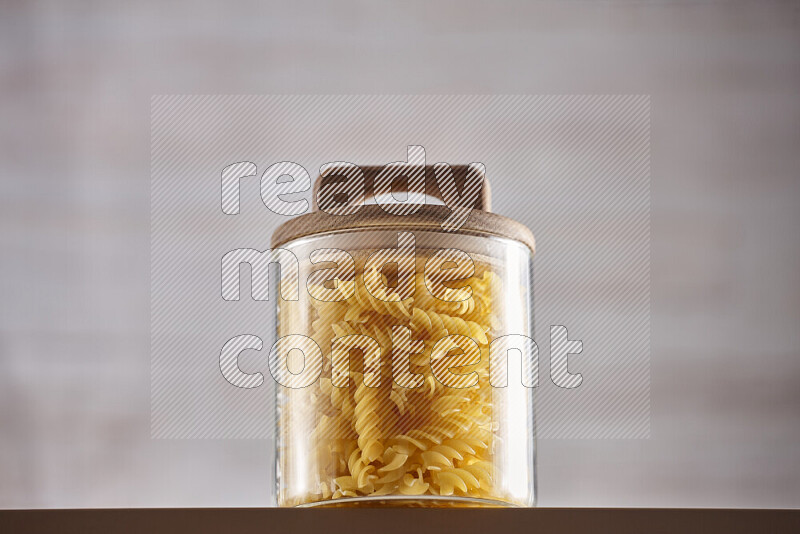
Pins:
x: 75, y: 86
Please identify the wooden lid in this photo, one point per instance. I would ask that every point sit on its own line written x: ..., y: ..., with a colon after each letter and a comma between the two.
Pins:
x: 428, y: 217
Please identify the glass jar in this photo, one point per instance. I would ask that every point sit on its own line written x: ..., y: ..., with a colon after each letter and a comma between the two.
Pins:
x: 406, y: 390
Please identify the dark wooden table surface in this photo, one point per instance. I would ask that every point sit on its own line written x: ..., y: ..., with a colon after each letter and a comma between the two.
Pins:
x: 246, y: 520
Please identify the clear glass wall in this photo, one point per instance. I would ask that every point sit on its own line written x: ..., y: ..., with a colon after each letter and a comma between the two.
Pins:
x: 403, y: 397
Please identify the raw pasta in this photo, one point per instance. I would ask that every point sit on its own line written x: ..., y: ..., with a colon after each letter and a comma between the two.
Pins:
x: 392, y: 440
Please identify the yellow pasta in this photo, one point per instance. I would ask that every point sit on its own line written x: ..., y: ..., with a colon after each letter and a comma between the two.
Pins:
x: 395, y: 441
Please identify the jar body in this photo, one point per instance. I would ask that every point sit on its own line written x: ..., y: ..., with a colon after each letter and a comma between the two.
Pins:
x: 420, y: 416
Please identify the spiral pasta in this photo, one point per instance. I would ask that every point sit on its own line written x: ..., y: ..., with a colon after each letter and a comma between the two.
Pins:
x: 391, y: 440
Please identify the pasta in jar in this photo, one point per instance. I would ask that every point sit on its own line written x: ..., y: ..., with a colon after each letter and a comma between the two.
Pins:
x: 402, y: 409
x: 374, y: 436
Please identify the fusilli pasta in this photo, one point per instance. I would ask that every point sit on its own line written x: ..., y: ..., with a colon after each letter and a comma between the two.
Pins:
x: 393, y: 440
